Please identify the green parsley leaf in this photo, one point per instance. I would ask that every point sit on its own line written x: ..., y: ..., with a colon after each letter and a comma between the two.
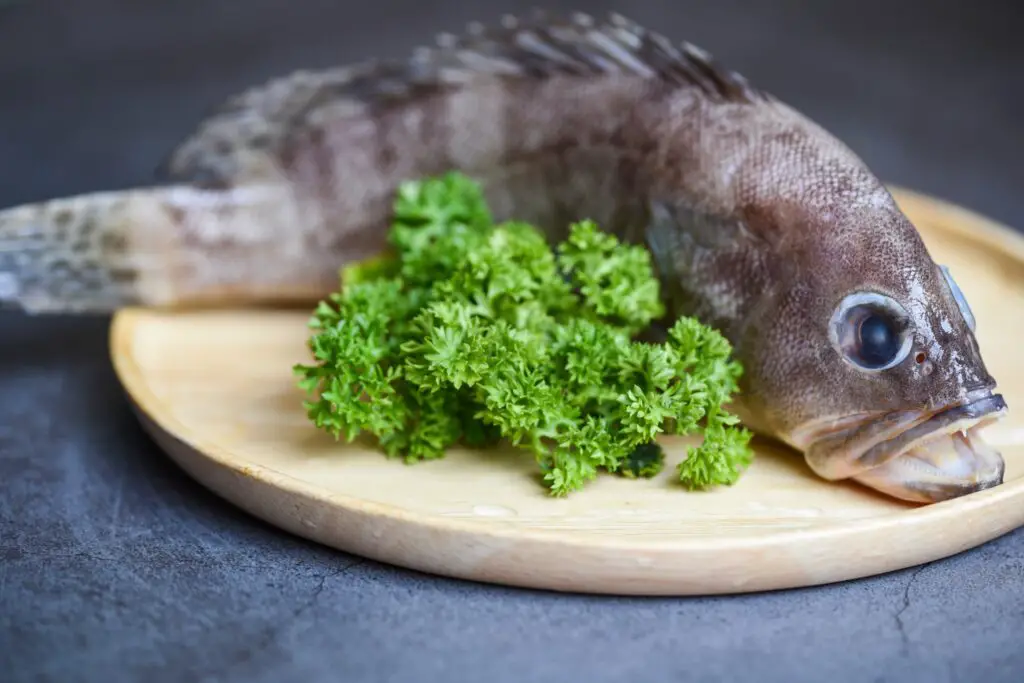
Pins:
x: 469, y: 332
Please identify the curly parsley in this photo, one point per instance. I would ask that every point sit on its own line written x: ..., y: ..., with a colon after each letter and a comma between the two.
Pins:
x: 473, y: 332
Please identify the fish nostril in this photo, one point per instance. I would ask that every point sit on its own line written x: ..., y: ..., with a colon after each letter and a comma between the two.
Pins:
x: 926, y: 367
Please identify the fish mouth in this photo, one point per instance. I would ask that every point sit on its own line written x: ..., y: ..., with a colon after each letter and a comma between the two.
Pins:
x: 919, y: 456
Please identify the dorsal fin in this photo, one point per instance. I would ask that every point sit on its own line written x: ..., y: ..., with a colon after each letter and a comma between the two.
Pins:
x: 235, y: 138
x: 546, y: 44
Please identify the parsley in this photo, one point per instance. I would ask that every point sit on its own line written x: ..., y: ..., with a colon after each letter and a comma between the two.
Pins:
x: 472, y: 332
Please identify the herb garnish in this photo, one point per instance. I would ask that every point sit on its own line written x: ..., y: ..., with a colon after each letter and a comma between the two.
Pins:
x: 472, y: 332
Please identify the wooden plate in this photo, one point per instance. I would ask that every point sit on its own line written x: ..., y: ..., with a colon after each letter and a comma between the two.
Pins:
x: 215, y: 389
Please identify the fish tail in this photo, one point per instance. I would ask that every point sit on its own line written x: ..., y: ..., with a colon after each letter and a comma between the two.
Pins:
x: 80, y: 254
x: 166, y: 246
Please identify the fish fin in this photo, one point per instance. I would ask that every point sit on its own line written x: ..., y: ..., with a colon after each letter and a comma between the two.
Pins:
x: 166, y: 246
x: 546, y: 44
x: 677, y: 234
x: 253, y: 133
x: 711, y: 266
x: 76, y: 255
x: 706, y: 230
x: 671, y: 253
x: 663, y: 239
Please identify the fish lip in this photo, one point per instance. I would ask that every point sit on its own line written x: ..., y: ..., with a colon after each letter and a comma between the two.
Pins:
x: 968, y: 418
x: 865, y: 445
x: 937, y: 493
x: 968, y: 415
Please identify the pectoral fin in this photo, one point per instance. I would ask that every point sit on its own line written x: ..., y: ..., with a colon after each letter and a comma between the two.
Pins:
x: 709, y: 265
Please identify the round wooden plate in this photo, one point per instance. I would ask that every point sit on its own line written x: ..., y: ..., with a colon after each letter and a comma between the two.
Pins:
x: 216, y: 390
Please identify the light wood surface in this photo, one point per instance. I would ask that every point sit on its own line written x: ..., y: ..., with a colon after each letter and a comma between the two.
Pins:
x: 215, y: 390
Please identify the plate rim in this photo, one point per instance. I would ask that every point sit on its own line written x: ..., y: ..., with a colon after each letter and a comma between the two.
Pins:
x: 153, y: 409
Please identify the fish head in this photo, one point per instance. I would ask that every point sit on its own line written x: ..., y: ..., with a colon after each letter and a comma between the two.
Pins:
x: 864, y: 357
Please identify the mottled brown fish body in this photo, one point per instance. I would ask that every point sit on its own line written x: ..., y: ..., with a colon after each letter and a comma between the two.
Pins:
x: 858, y: 349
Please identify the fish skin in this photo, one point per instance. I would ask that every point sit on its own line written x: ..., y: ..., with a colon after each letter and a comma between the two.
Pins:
x: 759, y: 219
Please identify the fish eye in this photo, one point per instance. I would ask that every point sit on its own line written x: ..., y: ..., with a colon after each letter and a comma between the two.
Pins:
x: 958, y: 296
x: 871, y: 331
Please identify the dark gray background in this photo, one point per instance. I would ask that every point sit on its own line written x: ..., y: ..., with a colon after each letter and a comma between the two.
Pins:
x: 115, y: 566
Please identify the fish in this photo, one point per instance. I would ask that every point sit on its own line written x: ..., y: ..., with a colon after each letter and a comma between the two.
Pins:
x: 858, y: 350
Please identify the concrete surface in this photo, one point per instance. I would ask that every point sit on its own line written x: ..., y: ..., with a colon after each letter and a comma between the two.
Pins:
x: 116, y: 567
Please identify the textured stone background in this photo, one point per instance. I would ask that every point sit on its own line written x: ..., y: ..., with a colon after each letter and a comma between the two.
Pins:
x: 114, y: 566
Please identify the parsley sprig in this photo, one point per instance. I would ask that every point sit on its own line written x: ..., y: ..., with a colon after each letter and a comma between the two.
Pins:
x: 473, y: 332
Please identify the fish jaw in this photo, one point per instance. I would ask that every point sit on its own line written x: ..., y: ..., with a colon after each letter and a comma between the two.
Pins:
x: 922, y: 456
x: 947, y: 466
